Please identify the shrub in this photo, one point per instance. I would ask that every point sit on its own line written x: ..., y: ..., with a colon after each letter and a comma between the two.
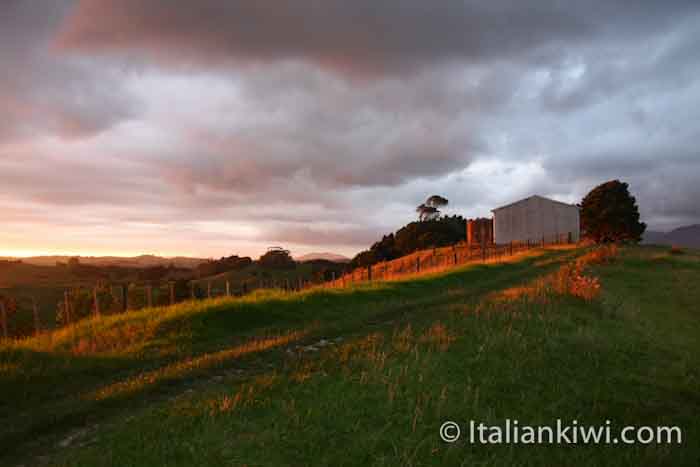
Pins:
x: 676, y: 250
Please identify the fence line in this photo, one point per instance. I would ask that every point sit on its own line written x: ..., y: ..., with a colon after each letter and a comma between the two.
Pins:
x: 111, y: 298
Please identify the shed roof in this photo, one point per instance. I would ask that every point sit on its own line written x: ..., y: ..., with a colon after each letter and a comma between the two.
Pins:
x: 531, y: 197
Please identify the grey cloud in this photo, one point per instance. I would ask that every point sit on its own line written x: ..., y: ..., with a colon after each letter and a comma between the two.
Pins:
x: 43, y: 92
x: 364, y: 37
x: 360, y: 37
x: 329, y: 121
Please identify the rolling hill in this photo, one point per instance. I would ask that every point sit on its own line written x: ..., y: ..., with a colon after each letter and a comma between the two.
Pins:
x: 333, y: 257
x: 366, y: 375
x: 687, y: 236
x: 142, y: 261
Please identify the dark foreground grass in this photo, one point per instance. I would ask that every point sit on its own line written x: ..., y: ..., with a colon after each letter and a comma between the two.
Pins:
x: 83, y: 374
x: 414, y: 355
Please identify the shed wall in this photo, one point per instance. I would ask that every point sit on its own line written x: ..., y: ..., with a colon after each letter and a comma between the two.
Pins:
x: 534, y: 218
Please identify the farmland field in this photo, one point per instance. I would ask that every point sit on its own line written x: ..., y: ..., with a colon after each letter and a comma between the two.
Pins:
x: 367, y: 375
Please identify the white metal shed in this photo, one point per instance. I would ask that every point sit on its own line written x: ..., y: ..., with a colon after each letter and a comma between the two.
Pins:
x: 534, y: 219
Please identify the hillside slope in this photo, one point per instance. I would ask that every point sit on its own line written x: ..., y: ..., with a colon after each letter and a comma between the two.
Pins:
x: 365, y: 376
x: 688, y: 237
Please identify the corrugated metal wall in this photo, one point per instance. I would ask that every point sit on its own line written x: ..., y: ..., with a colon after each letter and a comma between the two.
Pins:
x: 534, y: 218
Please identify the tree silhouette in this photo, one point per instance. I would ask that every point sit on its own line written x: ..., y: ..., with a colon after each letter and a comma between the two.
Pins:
x: 609, y: 213
x: 277, y: 258
x: 446, y: 230
x: 430, y: 210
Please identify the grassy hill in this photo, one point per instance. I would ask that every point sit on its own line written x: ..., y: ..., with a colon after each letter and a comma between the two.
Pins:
x: 26, y: 282
x: 366, y: 375
x: 256, y: 276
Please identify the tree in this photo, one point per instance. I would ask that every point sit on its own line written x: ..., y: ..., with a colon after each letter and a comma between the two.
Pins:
x: 277, y: 258
x: 446, y: 230
x: 430, y: 210
x: 609, y: 213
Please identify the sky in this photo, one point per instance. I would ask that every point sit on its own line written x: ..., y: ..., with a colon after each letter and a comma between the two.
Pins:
x: 217, y: 127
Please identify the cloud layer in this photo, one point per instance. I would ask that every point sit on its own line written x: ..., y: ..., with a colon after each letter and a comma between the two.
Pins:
x: 217, y: 127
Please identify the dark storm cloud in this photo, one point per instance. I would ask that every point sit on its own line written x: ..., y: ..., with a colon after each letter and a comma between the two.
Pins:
x: 326, y: 122
x: 363, y: 36
x: 43, y: 92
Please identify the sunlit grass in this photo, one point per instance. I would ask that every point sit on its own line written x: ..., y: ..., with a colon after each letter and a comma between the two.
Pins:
x: 485, y: 341
x: 189, y: 365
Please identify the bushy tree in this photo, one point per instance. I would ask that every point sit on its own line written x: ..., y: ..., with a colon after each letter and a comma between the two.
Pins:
x: 225, y: 264
x: 430, y: 210
x: 609, y: 213
x: 277, y: 258
x: 415, y: 236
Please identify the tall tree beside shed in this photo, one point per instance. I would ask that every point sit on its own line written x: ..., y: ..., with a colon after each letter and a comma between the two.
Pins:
x: 609, y: 213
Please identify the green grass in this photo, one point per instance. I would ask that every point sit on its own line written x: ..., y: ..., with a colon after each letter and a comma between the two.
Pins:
x: 158, y: 386
x: 253, y: 276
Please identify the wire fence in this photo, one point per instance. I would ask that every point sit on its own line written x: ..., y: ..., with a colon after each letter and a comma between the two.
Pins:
x: 76, y: 303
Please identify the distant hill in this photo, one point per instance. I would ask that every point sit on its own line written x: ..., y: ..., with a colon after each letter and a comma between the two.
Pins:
x: 333, y: 257
x: 143, y: 261
x: 687, y: 236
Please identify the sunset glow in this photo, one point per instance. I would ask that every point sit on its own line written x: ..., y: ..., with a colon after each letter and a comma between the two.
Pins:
x: 125, y: 131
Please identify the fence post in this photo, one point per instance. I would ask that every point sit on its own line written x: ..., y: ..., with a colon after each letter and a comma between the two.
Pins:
x: 35, y: 309
x: 67, y: 306
x: 228, y: 288
x: 171, y: 290
x: 125, y: 296
x: 369, y: 273
x: 149, y: 295
x: 4, y: 319
x: 511, y: 247
x: 418, y: 264
x: 95, y: 300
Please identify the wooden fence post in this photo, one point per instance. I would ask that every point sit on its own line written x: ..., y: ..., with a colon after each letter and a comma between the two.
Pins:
x: 149, y: 295
x: 511, y: 248
x: 417, y: 263
x: 35, y: 310
x: 66, y: 305
x: 125, y: 296
x: 228, y: 288
x: 4, y: 319
x: 96, y: 301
